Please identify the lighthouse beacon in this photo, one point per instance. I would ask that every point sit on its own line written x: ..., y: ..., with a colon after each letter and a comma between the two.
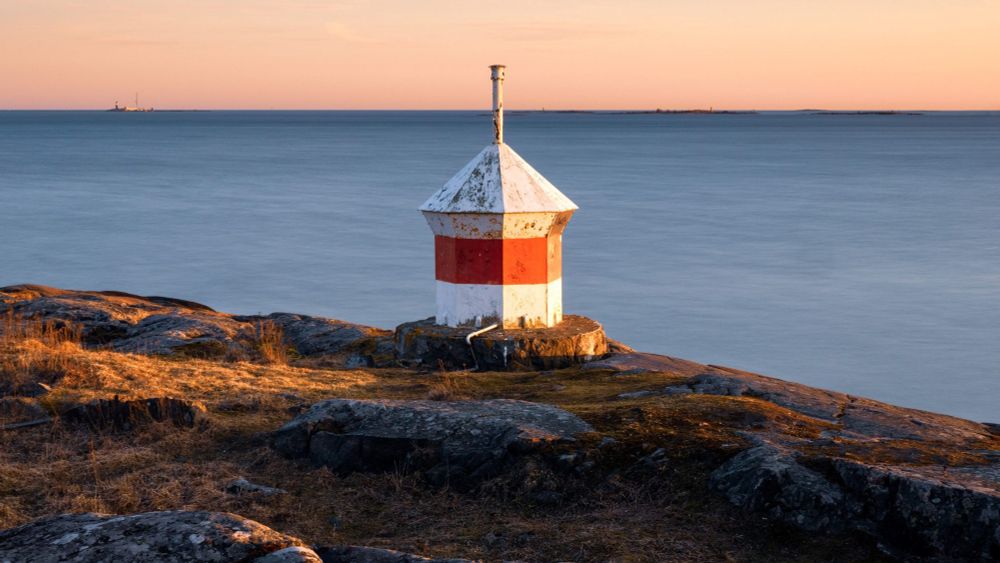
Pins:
x: 498, y: 228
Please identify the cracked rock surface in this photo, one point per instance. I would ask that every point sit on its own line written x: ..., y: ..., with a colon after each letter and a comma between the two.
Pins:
x: 453, y: 441
x: 912, y: 511
x: 171, y: 536
x: 165, y: 326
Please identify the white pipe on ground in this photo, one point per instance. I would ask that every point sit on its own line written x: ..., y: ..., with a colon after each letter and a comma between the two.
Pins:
x: 471, y: 335
x: 472, y: 349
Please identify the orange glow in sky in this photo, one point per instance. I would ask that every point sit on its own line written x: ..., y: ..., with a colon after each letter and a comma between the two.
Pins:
x: 433, y: 54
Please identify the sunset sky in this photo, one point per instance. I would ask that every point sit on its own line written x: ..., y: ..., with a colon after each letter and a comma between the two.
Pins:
x: 597, y: 54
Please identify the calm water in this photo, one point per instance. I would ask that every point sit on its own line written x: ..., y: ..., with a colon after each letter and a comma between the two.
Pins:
x: 860, y: 253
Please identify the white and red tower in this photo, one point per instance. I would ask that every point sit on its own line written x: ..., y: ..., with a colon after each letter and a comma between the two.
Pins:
x: 498, y: 228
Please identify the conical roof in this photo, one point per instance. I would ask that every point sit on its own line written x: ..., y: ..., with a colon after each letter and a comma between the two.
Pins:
x: 498, y: 180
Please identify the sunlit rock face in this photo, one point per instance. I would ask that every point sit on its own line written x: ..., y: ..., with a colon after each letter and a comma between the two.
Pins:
x: 498, y: 228
x: 455, y: 442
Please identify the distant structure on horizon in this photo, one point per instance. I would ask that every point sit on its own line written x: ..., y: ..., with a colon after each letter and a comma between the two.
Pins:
x: 498, y: 228
x: 135, y: 108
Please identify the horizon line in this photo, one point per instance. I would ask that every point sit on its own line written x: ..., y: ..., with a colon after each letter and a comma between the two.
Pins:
x: 710, y: 109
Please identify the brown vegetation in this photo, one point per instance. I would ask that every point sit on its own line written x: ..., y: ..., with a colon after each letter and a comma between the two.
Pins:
x: 269, y: 342
x: 663, y: 516
x: 37, y: 351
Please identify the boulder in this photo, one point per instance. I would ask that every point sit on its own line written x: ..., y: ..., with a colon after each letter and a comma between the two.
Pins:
x: 767, y: 479
x: 911, y: 511
x: 460, y: 442
x: 573, y: 341
x: 171, y: 536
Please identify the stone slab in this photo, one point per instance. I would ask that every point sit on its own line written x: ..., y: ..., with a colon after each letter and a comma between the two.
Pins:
x: 460, y: 442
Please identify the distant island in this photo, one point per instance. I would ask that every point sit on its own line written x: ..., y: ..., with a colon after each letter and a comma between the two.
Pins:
x: 709, y: 111
x: 131, y: 109
x: 876, y: 112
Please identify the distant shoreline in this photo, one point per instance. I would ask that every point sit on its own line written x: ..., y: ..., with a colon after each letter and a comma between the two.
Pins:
x: 696, y: 111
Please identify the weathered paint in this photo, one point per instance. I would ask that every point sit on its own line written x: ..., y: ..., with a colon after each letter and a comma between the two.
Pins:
x: 498, y: 180
x: 497, y: 225
x: 498, y: 228
x: 497, y: 74
x: 512, y: 306
x: 498, y: 261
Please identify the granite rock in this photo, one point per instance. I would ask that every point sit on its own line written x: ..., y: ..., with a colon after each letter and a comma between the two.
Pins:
x: 459, y: 442
x: 170, y: 536
x: 317, y: 336
x: 911, y: 511
x: 167, y: 326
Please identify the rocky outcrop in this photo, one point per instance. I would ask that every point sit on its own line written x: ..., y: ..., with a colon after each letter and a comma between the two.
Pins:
x: 172, y: 536
x: 176, y: 536
x: 922, y: 484
x: 574, y: 341
x: 316, y: 336
x: 768, y: 479
x: 459, y: 442
x: 193, y: 334
x: 632, y: 362
x: 166, y: 326
x: 854, y: 417
x: 912, y: 511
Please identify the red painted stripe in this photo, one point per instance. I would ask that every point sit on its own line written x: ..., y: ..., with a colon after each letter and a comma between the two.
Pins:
x: 498, y: 261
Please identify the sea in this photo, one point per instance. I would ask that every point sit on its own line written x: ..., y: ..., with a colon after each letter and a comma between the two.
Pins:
x: 855, y: 252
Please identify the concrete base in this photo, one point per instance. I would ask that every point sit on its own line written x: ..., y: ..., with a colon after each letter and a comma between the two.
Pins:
x: 573, y: 341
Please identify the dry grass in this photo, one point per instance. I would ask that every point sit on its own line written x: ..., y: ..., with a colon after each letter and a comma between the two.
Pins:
x: 37, y: 351
x: 270, y: 343
x: 667, y: 517
x: 449, y: 386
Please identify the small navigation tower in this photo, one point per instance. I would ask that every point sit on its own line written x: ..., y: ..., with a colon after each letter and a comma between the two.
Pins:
x: 498, y: 228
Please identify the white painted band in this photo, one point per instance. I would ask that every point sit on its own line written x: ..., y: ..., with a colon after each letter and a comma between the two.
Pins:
x: 515, y: 306
x: 497, y: 225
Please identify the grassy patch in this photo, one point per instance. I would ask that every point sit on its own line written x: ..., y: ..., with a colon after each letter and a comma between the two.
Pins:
x: 664, y: 514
